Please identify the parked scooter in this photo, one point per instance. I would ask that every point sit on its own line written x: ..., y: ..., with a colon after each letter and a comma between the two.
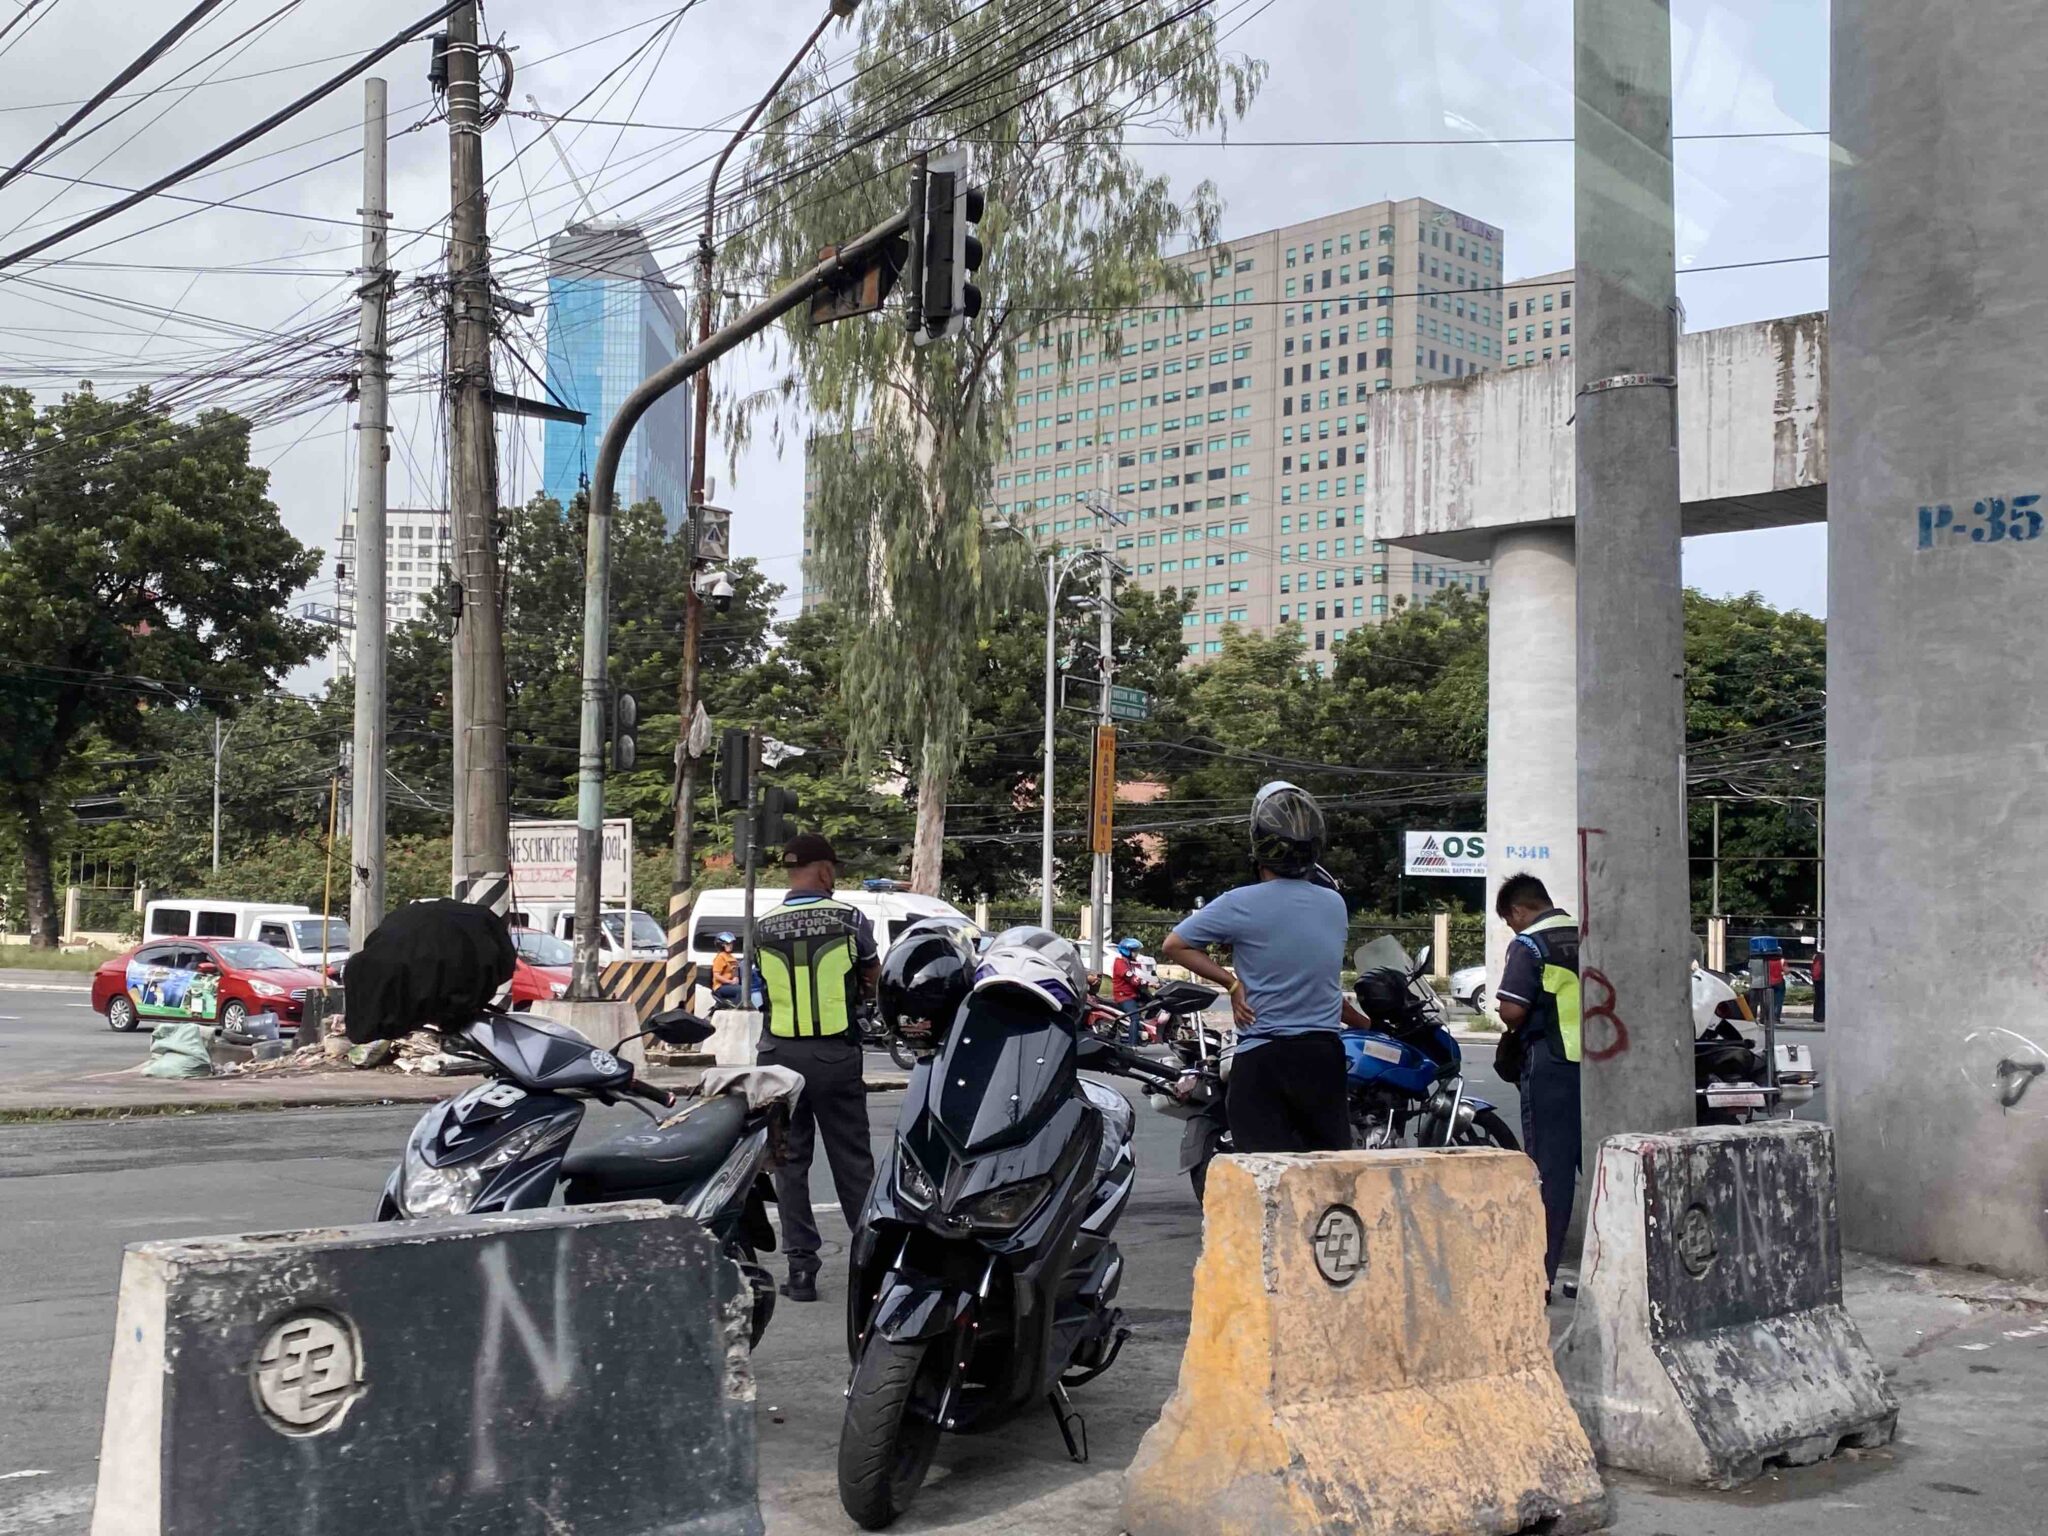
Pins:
x: 1200, y: 1096
x: 1731, y: 1081
x: 503, y: 1145
x: 984, y: 1271
x: 1407, y: 1076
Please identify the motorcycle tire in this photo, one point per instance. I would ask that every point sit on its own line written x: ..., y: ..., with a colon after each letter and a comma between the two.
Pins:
x: 891, y: 1432
x: 904, y: 1057
x: 1490, y: 1130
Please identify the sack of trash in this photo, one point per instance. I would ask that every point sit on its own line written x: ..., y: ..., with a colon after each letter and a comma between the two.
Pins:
x: 177, y: 1048
x: 429, y: 965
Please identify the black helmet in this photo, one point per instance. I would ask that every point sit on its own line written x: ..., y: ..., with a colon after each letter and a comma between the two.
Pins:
x: 1287, y: 830
x: 926, y: 977
x: 1385, y: 997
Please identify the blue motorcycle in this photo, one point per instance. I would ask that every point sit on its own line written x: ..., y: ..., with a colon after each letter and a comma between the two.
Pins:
x: 1405, y: 1079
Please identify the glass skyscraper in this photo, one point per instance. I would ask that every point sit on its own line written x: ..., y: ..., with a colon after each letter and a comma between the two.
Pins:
x: 612, y: 320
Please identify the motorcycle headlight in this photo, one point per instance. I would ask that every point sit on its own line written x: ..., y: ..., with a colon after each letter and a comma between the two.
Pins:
x: 1004, y: 1209
x: 912, y: 1182
x: 451, y: 1191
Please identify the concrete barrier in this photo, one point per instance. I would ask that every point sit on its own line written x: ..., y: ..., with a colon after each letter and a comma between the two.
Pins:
x: 553, y: 1371
x: 1367, y: 1354
x: 1710, y: 1338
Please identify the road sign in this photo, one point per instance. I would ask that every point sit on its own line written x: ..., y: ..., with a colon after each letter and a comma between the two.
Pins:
x: 1453, y: 854
x: 544, y: 861
x: 1102, y: 797
x: 1130, y: 704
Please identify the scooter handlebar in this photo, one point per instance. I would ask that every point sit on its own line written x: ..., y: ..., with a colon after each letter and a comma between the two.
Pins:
x: 652, y: 1094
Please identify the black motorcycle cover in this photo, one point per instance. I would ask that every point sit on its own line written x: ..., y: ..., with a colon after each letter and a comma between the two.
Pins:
x: 430, y: 964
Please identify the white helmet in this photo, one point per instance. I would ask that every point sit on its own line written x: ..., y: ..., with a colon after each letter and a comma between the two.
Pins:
x: 1038, y: 961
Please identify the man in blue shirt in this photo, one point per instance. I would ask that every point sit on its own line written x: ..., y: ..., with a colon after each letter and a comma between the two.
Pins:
x: 1286, y: 936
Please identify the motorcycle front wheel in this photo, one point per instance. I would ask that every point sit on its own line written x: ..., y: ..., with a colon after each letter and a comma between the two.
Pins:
x: 1489, y: 1130
x: 891, y: 1430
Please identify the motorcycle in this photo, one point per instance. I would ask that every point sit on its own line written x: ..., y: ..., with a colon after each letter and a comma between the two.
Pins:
x: 985, y: 1274
x: 876, y: 1035
x: 1734, y: 1080
x: 1408, y: 1074
x: 1200, y: 1095
x: 504, y: 1144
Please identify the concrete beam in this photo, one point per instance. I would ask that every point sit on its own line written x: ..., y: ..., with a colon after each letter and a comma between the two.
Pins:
x: 1452, y: 464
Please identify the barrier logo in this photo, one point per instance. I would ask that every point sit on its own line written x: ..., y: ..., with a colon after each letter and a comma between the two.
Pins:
x: 1339, y: 1245
x: 307, y: 1373
x: 1696, y: 1247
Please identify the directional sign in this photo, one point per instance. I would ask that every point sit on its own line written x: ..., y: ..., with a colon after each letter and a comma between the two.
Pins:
x: 1130, y: 704
x: 1102, y: 801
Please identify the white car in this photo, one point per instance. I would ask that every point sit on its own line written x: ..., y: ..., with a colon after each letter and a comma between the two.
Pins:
x: 1468, y: 986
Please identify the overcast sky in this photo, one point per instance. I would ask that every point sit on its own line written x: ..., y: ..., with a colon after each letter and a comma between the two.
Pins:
x: 1341, y: 70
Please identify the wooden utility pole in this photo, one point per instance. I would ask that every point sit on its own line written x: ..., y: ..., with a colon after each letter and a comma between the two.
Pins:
x: 481, y: 798
x: 373, y: 453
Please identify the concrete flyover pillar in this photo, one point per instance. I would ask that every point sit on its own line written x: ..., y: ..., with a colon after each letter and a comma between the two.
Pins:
x: 1937, y: 832
x: 1532, y: 722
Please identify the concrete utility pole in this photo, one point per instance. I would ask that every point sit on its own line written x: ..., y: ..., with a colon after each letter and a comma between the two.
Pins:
x: 483, y: 813
x: 1052, y: 606
x: 219, y: 740
x: 373, y: 453
x: 1098, y: 883
x: 1635, y: 958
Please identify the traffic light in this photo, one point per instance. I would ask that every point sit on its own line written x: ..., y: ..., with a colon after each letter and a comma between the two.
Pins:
x: 778, y: 816
x: 625, y: 721
x: 735, y: 763
x: 944, y: 251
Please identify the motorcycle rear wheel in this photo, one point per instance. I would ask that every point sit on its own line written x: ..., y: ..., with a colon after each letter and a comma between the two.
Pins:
x: 1490, y: 1130
x: 891, y: 1429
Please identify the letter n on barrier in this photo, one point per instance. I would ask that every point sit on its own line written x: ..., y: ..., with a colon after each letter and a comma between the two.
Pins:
x: 553, y: 1361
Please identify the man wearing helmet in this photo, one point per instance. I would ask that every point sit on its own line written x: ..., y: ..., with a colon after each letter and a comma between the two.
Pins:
x: 1286, y: 936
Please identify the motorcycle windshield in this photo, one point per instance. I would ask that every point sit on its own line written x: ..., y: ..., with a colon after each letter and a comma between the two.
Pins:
x: 1008, y: 1063
x: 1382, y: 954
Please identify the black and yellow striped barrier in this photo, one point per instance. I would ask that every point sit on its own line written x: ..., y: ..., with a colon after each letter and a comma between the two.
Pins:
x: 639, y: 982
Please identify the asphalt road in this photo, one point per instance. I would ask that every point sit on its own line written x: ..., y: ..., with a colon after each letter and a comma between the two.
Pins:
x: 57, y: 1031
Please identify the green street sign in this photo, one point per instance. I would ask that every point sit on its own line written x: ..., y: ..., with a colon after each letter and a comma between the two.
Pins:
x: 1130, y: 704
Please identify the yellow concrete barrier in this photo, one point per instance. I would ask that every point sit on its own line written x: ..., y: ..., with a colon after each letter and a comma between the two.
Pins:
x: 1367, y: 1354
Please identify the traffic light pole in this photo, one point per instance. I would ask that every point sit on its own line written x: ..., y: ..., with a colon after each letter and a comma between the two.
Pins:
x: 845, y: 263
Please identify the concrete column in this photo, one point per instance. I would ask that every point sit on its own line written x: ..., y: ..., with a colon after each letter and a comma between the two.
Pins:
x: 1532, y: 713
x: 1937, y: 831
x: 71, y: 899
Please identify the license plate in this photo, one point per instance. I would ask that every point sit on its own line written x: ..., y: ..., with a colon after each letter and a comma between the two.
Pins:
x: 1739, y: 1098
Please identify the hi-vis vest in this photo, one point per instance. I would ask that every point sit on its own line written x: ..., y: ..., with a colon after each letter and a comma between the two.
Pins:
x: 808, y: 956
x: 1556, y: 943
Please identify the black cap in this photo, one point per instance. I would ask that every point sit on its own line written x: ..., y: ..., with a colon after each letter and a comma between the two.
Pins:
x: 807, y: 848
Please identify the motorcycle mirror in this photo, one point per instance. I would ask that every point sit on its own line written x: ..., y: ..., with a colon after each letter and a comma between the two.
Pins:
x: 678, y: 1027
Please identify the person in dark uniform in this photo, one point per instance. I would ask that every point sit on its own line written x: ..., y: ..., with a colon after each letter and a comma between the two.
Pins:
x: 817, y: 963
x: 1538, y: 1000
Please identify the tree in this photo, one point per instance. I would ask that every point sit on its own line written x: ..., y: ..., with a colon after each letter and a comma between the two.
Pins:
x: 907, y: 437
x: 142, y: 567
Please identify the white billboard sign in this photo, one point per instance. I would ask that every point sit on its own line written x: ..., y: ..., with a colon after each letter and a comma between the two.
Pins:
x: 1454, y: 854
x: 544, y: 862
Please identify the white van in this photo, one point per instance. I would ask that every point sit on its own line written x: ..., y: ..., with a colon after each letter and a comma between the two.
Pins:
x: 624, y: 935
x: 296, y: 930
x: 724, y: 911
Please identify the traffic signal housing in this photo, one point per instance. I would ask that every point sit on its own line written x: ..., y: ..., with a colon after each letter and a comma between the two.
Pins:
x: 625, y: 729
x: 945, y: 251
x: 735, y: 767
x: 778, y: 816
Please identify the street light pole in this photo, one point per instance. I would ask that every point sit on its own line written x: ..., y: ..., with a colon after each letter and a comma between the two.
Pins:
x: 1052, y: 599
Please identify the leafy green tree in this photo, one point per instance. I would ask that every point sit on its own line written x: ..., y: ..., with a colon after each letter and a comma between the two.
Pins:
x: 907, y: 436
x: 142, y: 566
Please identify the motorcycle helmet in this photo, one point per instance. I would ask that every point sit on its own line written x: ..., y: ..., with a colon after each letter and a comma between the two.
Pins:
x: 1287, y: 830
x: 1128, y: 946
x: 1384, y: 997
x: 1037, y: 961
x: 926, y: 977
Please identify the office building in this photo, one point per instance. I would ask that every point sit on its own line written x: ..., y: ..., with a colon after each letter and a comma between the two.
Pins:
x: 612, y: 320
x: 1539, y: 319
x: 419, y: 555
x: 1225, y: 435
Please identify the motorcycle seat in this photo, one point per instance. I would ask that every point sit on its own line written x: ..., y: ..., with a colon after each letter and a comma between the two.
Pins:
x: 661, y: 1157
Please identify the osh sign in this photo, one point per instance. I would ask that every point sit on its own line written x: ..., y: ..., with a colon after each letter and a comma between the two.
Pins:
x: 544, y: 861
x: 1455, y: 854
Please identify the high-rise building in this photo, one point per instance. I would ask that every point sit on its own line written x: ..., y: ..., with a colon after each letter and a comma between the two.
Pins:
x: 1539, y: 304
x: 612, y: 320
x: 1226, y: 435
x: 419, y: 555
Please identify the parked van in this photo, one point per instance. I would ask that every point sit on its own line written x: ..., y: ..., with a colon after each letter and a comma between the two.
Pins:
x: 626, y: 935
x: 724, y: 911
x: 297, y: 930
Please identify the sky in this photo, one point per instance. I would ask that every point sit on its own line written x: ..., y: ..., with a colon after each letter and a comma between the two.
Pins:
x: 139, y: 299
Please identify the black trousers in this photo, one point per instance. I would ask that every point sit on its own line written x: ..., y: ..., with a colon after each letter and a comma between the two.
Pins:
x: 834, y: 1103
x: 1287, y: 1095
x: 1550, y: 1135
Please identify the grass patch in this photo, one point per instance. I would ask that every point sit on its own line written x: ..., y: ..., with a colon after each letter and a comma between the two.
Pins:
x: 20, y: 957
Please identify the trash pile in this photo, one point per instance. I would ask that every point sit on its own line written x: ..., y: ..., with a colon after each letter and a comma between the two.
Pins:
x: 419, y: 1052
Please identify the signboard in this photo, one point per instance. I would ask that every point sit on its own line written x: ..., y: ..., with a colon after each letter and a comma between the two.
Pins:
x: 1130, y: 704
x: 544, y: 862
x: 1102, y: 795
x: 1453, y: 854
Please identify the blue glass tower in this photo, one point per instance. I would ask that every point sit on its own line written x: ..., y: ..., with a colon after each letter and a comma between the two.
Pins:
x: 612, y: 320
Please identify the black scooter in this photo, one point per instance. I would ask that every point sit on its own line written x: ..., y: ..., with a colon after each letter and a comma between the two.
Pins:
x: 503, y: 1145
x: 984, y: 1274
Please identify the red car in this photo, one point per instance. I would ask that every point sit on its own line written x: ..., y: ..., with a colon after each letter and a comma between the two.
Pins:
x: 212, y: 981
x: 541, y: 971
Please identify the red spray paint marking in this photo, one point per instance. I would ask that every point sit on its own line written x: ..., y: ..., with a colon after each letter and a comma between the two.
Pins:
x: 1589, y: 979
x: 1585, y: 890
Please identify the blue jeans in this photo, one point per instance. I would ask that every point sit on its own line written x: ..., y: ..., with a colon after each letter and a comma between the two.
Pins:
x: 1134, y: 1010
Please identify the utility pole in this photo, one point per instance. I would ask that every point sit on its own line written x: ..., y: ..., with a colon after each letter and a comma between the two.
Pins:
x: 483, y: 813
x: 1098, y: 883
x: 1636, y: 949
x: 218, y: 741
x: 1052, y: 602
x: 373, y: 453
